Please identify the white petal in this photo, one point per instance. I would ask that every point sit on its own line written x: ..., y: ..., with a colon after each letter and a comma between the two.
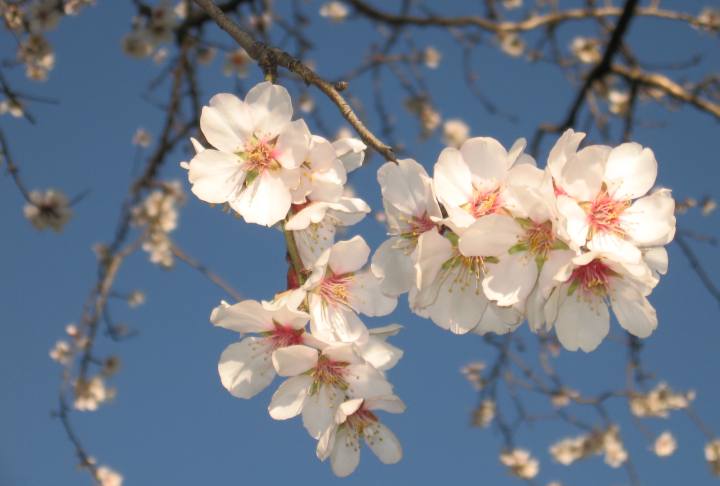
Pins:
x: 581, y: 322
x: 650, y: 221
x: 487, y: 160
x: 216, y: 177
x: 459, y: 306
x: 433, y: 250
x: 509, y: 281
x: 564, y: 148
x: 227, y: 123
x: 245, y: 316
x: 630, y: 172
x: 582, y: 175
x: 632, y: 309
x: 287, y: 401
x: 349, y: 255
x: 379, y: 353
x: 351, y: 152
x: 574, y: 220
x: 293, y: 144
x: 364, y: 381
x: 453, y: 179
x: 366, y: 295
x: 271, y: 106
x: 345, y: 456
x: 333, y: 322
x: 319, y: 410
x: 657, y: 259
x: 405, y: 185
x: 245, y: 368
x: 266, y: 201
x: 326, y: 443
x: 294, y: 360
x: 383, y: 443
x: 394, y: 267
x: 491, y: 235
x: 390, y: 404
x: 615, y: 245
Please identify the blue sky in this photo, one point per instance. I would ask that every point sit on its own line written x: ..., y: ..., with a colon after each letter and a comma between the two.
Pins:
x: 172, y: 422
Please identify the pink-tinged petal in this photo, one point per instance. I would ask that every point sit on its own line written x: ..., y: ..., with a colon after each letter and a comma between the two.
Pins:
x: 344, y: 352
x: 293, y: 144
x: 227, y: 123
x: 271, y: 107
x: 632, y: 309
x: 487, y: 160
x: 345, y: 456
x: 366, y: 296
x: 216, y: 177
x: 453, y: 179
x: 406, y: 186
x: 245, y: 316
x: 582, y: 175
x: 313, y: 241
x: 516, y: 151
x: 383, y: 443
x: 379, y: 353
x: 266, y: 201
x: 574, y: 219
x: 245, y: 369
x: 630, y: 172
x: 582, y: 323
x: 349, y: 255
x: 650, y: 221
x: 288, y: 400
x: 294, y: 360
x: 491, y: 235
x: 509, y: 281
x: 459, y: 306
x: 348, y: 408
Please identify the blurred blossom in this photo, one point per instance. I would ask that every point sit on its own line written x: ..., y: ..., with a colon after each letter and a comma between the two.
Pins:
x: 708, y: 206
x: 158, y: 213
x: 136, y: 44
x: 618, y: 101
x: 380, y: 216
x: 710, y: 17
x: 586, y: 49
x: 61, y: 352
x: 43, y: 15
x: 512, y: 44
x: 664, y: 445
x: 473, y: 373
x: 484, y: 414
x: 109, y: 477
x: 73, y: 7
x: 49, y: 209
x: 520, y: 463
x: 659, y: 402
x: 306, y: 103
x: 432, y: 57
x: 13, y: 107
x: 712, y: 455
x: 571, y: 449
x: 141, y: 138
x: 512, y: 4
x: 37, y: 55
x: 160, y: 55
x: 89, y: 395
x: 455, y: 132
x: 563, y: 397
x: 136, y: 298
x: 335, y: 11
x: 12, y: 15
x: 205, y: 54
x: 111, y: 365
x: 237, y: 63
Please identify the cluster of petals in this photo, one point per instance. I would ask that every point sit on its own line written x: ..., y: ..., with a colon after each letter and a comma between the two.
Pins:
x: 491, y: 239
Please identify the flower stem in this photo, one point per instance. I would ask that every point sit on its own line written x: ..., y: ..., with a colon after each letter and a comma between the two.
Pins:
x: 297, y: 267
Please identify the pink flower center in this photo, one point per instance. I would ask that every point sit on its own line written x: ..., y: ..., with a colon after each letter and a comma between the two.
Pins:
x: 360, y: 419
x: 330, y: 373
x: 484, y: 203
x: 334, y: 288
x: 603, y: 214
x: 283, y: 336
x: 260, y: 155
x: 592, y: 278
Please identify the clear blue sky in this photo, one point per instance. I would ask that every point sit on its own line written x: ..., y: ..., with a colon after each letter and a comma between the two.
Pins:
x: 172, y: 422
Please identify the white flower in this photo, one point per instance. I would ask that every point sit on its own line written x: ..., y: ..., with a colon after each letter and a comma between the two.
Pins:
x: 356, y: 419
x: 339, y: 287
x: 237, y: 63
x: 350, y: 151
x: 335, y: 11
x: 455, y: 132
x: 258, y: 150
x: 578, y: 305
x: 586, y: 49
x: 411, y: 209
x: 520, y: 463
x: 320, y: 380
x: 245, y: 367
x: 314, y: 225
x: 450, y: 288
x: 665, y: 445
x: 49, y: 209
x: 601, y: 197
x: 432, y: 57
x: 62, y: 352
x: 618, y: 101
x: 712, y: 456
x: 660, y: 401
x: 470, y: 182
x: 512, y: 44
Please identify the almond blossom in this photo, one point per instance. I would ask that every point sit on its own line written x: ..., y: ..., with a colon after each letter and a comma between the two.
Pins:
x: 319, y: 381
x: 258, y: 151
x: 602, y: 197
x: 48, y: 209
x: 356, y: 419
x: 339, y: 288
x: 585, y: 286
x: 411, y: 209
x: 246, y: 367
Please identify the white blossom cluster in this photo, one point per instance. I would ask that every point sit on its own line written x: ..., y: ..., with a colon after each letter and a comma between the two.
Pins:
x: 491, y: 240
x: 606, y: 442
x: 271, y: 171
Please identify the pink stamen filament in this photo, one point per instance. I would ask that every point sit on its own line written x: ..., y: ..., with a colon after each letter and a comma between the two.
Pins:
x: 283, y: 336
x: 593, y: 277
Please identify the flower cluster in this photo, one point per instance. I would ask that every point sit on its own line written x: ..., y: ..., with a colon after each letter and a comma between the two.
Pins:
x: 659, y: 401
x: 271, y: 171
x: 605, y: 442
x: 158, y: 214
x: 491, y: 239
